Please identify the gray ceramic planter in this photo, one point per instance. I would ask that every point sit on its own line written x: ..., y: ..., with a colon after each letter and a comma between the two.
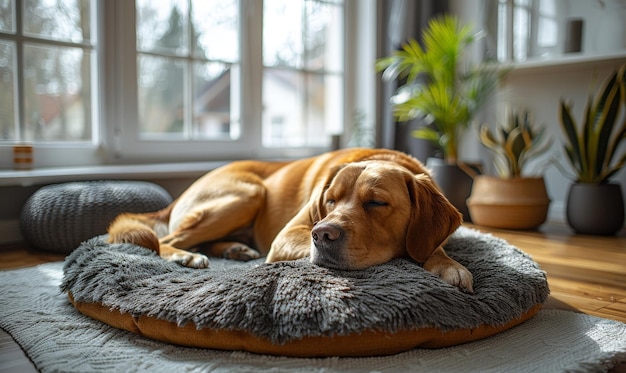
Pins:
x: 455, y: 184
x: 595, y: 208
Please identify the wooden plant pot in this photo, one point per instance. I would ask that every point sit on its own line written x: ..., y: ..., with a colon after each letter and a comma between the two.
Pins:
x: 517, y: 203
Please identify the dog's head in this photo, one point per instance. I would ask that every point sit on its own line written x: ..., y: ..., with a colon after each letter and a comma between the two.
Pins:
x: 373, y: 211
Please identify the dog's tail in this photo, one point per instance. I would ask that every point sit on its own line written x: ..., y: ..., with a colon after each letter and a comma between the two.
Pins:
x: 140, y: 229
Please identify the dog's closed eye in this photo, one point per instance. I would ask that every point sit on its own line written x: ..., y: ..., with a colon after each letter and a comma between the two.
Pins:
x: 374, y: 203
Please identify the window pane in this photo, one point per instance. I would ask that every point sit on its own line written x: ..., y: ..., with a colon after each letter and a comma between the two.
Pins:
x: 303, y: 34
x: 162, y: 26
x: 323, y: 36
x: 302, y: 81
x: 521, y: 29
x: 7, y: 16
x: 188, y: 92
x: 161, y: 97
x: 282, y: 33
x: 57, y: 93
x: 330, y: 90
x: 215, y: 86
x: 283, y: 119
x: 66, y: 20
x: 7, y: 92
x: 300, y: 109
x: 215, y: 28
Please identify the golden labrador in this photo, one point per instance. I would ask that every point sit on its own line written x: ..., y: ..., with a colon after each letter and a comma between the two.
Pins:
x: 347, y: 209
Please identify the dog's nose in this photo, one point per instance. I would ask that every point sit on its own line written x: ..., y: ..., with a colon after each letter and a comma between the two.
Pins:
x: 326, y: 233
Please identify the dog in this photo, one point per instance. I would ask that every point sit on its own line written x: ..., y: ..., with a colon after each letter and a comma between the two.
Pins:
x: 347, y: 209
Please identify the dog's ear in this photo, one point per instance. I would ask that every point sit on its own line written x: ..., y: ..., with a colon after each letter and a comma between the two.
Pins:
x: 433, y: 218
x: 318, y: 208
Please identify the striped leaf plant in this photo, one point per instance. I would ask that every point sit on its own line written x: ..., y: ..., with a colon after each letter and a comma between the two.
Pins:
x: 514, y: 144
x: 593, y: 148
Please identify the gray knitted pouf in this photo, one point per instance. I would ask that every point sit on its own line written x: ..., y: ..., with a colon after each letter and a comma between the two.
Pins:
x: 59, y: 217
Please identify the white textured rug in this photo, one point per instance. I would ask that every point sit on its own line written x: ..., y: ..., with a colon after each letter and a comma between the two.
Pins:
x: 56, y: 337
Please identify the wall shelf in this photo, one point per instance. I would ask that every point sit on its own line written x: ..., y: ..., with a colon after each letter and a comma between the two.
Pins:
x: 571, y: 61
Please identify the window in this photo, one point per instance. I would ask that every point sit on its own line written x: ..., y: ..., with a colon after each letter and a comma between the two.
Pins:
x: 202, y: 79
x: 188, y: 64
x: 47, y: 51
x: 527, y: 29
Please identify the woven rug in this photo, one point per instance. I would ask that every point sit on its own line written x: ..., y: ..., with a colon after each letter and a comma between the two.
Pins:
x: 56, y: 337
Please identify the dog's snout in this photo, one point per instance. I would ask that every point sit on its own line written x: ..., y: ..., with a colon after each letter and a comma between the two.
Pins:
x: 328, y: 243
x: 326, y: 233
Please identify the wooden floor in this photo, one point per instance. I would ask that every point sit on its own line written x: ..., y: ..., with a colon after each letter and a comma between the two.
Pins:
x: 585, y: 273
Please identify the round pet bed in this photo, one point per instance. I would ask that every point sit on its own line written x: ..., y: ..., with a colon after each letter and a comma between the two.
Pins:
x: 299, y: 309
x: 58, y: 217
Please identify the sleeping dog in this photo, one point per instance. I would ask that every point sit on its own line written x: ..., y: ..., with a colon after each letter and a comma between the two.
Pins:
x: 348, y: 209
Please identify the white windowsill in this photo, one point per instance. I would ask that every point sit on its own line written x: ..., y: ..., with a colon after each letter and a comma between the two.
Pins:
x: 105, y: 172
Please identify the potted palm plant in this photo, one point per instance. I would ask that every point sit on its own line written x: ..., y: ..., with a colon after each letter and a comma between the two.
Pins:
x: 442, y: 93
x: 594, y: 204
x: 511, y: 200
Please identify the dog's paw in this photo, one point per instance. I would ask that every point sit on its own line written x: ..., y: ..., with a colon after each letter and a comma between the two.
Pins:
x: 456, y: 275
x: 191, y: 260
x: 242, y: 253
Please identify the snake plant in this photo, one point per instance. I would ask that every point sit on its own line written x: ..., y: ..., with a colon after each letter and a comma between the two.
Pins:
x: 436, y: 88
x: 514, y: 144
x: 592, y: 150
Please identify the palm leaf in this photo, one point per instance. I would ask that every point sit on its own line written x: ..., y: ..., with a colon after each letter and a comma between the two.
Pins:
x: 415, y: 60
x: 478, y: 85
x: 448, y: 96
x: 429, y: 134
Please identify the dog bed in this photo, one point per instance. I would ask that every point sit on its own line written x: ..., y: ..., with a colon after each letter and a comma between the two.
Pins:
x: 299, y: 309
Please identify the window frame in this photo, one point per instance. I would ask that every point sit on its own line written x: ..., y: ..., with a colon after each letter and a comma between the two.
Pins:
x: 116, y: 121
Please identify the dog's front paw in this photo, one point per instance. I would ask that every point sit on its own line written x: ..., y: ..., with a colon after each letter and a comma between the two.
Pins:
x: 457, y: 276
x: 241, y: 253
x: 191, y: 260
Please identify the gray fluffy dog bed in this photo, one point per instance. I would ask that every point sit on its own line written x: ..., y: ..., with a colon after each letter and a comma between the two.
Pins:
x: 282, y: 303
